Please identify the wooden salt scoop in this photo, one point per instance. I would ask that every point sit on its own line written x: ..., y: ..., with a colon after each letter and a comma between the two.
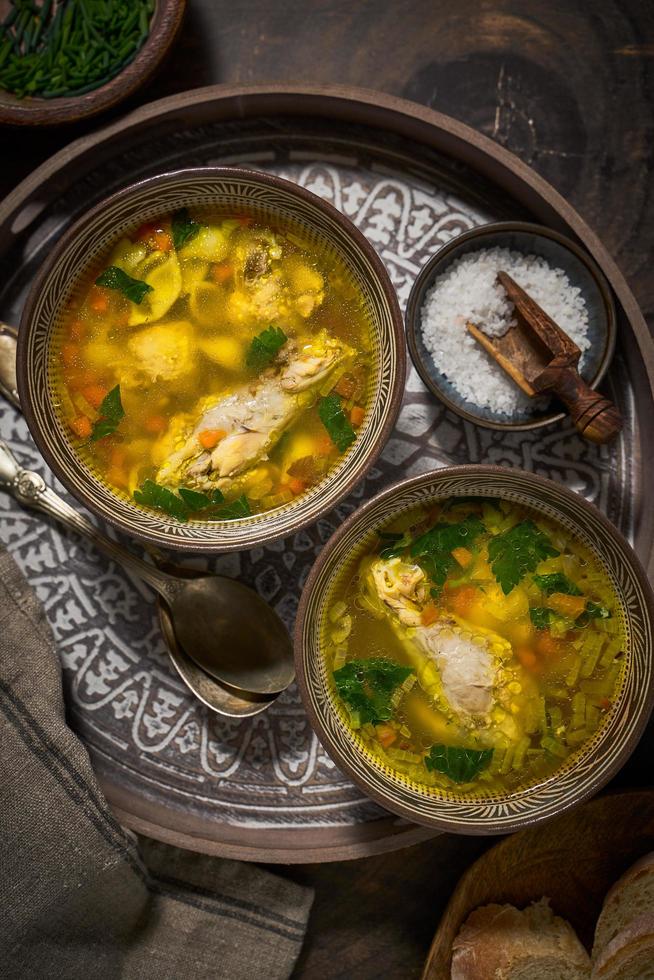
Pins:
x: 540, y: 357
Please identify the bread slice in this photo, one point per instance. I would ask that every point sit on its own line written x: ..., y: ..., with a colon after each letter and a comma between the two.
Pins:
x: 630, y: 897
x: 630, y: 954
x: 499, y: 942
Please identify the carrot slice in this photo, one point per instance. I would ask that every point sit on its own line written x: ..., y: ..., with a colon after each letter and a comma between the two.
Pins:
x: 211, y: 437
x: 385, y: 735
x: 324, y: 446
x: 459, y: 600
x: 296, y: 486
x: 357, y: 415
x: 98, y: 299
x: 117, y: 476
x: 154, y: 236
x: 162, y: 241
x: 221, y: 271
x: 429, y: 614
x: 95, y: 394
x: 567, y: 605
x: 145, y: 232
x: 528, y: 659
x: 346, y: 386
x: 77, y: 330
x: 547, y: 645
x: 81, y: 426
x: 69, y: 354
x: 156, y: 424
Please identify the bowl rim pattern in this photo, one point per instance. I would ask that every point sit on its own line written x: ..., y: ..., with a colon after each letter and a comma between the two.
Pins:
x: 587, y: 769
x: 238, y: 185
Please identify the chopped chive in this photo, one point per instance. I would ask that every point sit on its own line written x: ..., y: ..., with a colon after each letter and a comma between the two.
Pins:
x: 69, y: 47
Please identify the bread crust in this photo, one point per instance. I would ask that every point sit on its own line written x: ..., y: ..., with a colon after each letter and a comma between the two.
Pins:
x: 496, y: 938
x: 635, y: 940
x: 641, y: 869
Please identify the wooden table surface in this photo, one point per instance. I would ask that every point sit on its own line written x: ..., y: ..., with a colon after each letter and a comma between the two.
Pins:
x: 567, y: 85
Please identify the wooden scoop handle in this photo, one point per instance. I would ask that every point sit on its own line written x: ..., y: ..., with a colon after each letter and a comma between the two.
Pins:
x: 593, y: 415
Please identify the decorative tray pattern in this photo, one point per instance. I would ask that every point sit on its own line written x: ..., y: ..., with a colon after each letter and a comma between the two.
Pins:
x: 264, y: 788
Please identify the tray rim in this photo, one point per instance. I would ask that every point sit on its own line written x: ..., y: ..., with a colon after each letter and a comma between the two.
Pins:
x: 155, y: 820
x: 415, y: 122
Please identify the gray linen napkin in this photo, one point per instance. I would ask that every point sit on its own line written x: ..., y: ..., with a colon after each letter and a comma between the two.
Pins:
x: 79, y: 897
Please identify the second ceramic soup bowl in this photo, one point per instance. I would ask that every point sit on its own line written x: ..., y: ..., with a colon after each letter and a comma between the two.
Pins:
x: 325, y: 631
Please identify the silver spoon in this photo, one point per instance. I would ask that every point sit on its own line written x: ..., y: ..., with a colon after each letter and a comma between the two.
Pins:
x: 253, y: 656
x: 30, y: 489
x: 224, y: 626
x: 205, y: 688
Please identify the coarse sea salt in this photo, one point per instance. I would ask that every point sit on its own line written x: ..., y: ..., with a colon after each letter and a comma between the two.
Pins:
x: 469, y: 290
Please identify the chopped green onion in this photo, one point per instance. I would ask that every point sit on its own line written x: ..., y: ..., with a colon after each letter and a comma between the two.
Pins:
x: 70, y: 47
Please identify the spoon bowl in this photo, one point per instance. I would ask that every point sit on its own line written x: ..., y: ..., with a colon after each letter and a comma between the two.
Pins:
x: 205, y: 688
x: 232, y: 634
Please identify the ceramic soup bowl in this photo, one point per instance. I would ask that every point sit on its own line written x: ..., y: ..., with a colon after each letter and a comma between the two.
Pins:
x: 267, y: 199
x: 587, y: 768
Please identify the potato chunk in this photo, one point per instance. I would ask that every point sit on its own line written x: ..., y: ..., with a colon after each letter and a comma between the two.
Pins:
x: 211, y: 244
x: 226, y: 351
x: 163, y: 352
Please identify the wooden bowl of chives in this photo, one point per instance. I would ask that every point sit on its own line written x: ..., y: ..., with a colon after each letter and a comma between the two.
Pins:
x: 82, y: 96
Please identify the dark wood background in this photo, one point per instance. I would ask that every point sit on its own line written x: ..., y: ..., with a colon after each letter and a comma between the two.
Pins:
x: 567, y: 85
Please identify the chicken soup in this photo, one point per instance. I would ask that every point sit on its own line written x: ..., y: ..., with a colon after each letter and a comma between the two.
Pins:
x: 213, y: 367
x: 475, y: 647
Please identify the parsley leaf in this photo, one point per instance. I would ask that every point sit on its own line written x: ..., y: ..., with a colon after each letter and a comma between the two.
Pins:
x: 336, y: 422
x: 515, y: 552
x: 161, y: 498
x: 593, y: 611
x: 264, y: 348
x: 461, y: 765
x: 557, y: 582
x: 232, y: 511
x: 183, y: 227
x: 597, y: 612
x: 115, y: 278
x: 433, y: 550
x: 540, y: 617
x: 111, y: 412
x: 392, y: 544
x: 151, y: 494
x: 367, y: 686
x: 195, y: 500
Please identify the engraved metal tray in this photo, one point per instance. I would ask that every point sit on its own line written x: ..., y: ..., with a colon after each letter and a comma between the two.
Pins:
x: 264, y: 789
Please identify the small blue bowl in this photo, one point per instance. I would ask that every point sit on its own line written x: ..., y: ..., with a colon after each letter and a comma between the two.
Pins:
x: 559, y: 252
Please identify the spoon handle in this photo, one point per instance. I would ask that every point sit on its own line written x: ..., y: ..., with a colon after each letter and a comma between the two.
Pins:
x: 30, y: 489
x: 8, y: 383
